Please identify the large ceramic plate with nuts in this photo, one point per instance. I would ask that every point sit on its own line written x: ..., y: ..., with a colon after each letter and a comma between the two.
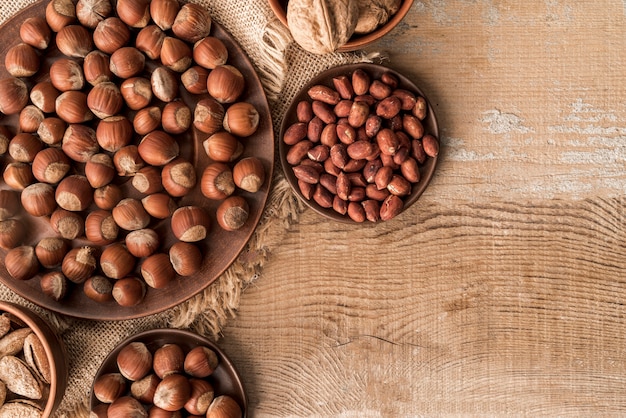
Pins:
x: 359, y: 143
x: 121, y: 251
x: 135, y: 375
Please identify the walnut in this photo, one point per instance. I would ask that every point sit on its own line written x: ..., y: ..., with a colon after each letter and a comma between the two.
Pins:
x: 374, y: 13
x: 322, y: 26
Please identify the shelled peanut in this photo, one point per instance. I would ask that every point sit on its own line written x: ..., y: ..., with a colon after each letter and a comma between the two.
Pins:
x: 111, y: 110
x: 166, y: 381
x: 357, y: 147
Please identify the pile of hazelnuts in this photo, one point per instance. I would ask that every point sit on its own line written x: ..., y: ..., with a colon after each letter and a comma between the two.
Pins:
x: 106, y: 117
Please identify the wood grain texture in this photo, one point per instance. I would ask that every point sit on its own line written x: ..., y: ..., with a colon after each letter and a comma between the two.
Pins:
x: 502, y: 290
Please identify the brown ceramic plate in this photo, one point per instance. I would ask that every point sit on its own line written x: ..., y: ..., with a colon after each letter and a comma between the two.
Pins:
x: 279, y: 7
x: 221, y: 247
x: 326, y: 78
x: 53, y: 346
x: 225, y: 379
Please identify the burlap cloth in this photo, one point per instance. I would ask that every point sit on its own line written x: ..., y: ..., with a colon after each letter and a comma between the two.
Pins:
x: 283, y: 68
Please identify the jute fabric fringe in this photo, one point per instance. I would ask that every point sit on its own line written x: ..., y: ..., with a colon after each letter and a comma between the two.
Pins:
x: 283, y: 69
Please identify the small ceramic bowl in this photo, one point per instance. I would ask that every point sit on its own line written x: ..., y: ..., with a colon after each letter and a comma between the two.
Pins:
x: 224, y: 379
x: 375, y: 72
x: 279, y: 7
x: 54, y: 350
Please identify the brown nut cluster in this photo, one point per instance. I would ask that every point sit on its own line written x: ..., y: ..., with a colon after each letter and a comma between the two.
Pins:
x: 165, y: 381
x: 97, y: 149
x: 358, y: 147
x: 25, y: 371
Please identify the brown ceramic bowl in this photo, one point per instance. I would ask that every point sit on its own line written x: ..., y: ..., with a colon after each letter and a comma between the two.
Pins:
x: 279, y: 7
x: 54, y: 348
x: 225, y: 379
x: 427, y: 169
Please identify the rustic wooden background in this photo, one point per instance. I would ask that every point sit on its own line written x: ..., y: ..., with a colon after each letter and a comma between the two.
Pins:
x: 502, y: 290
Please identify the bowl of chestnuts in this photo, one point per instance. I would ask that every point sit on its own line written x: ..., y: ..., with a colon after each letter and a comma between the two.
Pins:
x: 326, y: 26
x: 167, y: 372
x: 359, y: 142
x: 33, y: 364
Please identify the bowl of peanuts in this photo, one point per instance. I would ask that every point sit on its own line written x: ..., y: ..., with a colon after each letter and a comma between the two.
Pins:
x: 359, y: 143
x: 167, y: 372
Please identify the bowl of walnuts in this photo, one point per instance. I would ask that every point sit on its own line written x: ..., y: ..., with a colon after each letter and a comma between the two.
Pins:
x: 167, y: 372
x: 326, y: 26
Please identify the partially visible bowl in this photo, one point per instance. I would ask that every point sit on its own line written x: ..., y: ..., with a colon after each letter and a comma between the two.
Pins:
x: 279, y: 7
x: 54, y: 349
x: 224, y: 379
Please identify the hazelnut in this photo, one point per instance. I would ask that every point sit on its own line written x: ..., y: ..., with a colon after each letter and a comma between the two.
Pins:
x: 172, y: 393
x: 71, y: 106
x: 159, y: 205
x: 60, y: 13
x: 147, y: 180
x: 202, y: 394
x: 105, y: 100
x: 210, y: 52
x: 21, y: 60
x: 23, y: 147
x: 186, y: 258
x: 232, y: 213
x: 66, y: 74
x: 79, y: 264
x: 241, y: 119
x: 144, y: 388
x: 176, y: 117
x: 137, y: 92
x: 18, y: 175
x: 35, y: 31
x: 107, y: 197
x: 192, y: 23
x: 127, y: 62
x: 134, y: 361
x: 51, y: 130
x: 98, y: 288
x: 223, y: 147
x: 157, y: 272
x: 208, y: 115
x: 150, y: 41
x: 200, y: 362
x: 92, y: 12
x: 114, y: 132
x: 223, y: 407
x: 97, y: 68
x: 129, y: 291
x: 158, y: 148
x: 13, y: 95
x: 127, y: 160
x: 147, y: 120
x: 164, y: 84
x: 168, y: 359
x: 116, y: 261
x: 178, y: 177
x: 164, y: 12
x: 50, y: 165
x: 21, y: 262
x: 9, y: 204
x: 69, y: 225
x: 44, y: 95
x: 195, y: 79
x: 129, y: 214
x: 50, y: 251
x: 135, y: 13
x: 109, y: 387
x: 30, y: 118
x: 11, y: 233
x: 225, y: 83
x: 54, y: 285
x: 126, y: 407
x: 249, y: 174
x: 176, y: 54
x: 80, y: 143
x: 5, y: 137
x: 142, y: 242
x: 74, y: 41
x: 74, y: 193
x: 190, y: 223
x: 217, y: 181
x: 100, y: 227
x: 99, y: 170
x: 38, y: 199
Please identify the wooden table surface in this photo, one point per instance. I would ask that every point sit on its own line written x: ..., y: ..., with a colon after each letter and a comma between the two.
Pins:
x: 502, y: 290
